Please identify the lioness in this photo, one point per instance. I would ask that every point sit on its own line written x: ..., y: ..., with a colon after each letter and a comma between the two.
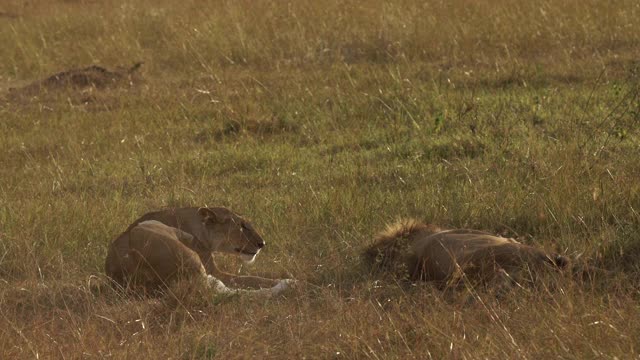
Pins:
x: 419, y: 251
x: 163, y: 245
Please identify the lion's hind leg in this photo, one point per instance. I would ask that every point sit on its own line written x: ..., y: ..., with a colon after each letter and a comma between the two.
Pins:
x: 157, y: 256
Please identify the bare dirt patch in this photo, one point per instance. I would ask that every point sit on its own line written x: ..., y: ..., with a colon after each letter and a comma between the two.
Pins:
x: 92, y: 76
x: 76, y: 86
x: 8, y: 15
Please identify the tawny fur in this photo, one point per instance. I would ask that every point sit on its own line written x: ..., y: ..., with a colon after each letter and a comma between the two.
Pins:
x: 417, y: 251
x: 389, y: 245
x: 162, y: 245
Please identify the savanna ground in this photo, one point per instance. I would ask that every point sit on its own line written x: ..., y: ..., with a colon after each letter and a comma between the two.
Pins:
x: 321, y: 121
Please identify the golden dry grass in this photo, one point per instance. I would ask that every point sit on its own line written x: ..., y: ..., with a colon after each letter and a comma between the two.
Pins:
x: 322, y: 121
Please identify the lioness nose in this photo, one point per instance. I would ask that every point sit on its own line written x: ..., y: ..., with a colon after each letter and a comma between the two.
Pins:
x: 260, y: 244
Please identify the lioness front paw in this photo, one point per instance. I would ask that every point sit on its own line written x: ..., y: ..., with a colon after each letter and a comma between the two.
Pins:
x: 218, y: 285
x: 282, y: 285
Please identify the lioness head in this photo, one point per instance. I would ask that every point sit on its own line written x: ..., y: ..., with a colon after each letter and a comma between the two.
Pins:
x: 230, y: 233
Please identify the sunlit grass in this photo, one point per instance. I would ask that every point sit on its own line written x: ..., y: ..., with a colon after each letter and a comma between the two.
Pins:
x: 321, y: 122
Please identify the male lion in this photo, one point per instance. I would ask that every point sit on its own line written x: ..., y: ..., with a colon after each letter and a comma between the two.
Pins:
x: 419, y: 251
x: 179, y: 243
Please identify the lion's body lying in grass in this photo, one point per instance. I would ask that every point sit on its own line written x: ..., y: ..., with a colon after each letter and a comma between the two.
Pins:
x: 417, y: 251
x: 179, y: 243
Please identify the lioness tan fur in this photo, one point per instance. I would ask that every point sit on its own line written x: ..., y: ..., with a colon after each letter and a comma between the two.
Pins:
x: 418, y: 251
x: 163, y: 245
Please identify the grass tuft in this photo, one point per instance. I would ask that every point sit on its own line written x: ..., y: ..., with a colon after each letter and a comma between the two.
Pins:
x: 321, y: 122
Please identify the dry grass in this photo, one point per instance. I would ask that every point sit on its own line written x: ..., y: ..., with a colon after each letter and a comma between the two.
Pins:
x: 322, y: 121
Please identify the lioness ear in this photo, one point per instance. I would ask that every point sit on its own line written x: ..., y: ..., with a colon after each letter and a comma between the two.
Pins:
x: 213, y: 215
x: 207, y: 215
